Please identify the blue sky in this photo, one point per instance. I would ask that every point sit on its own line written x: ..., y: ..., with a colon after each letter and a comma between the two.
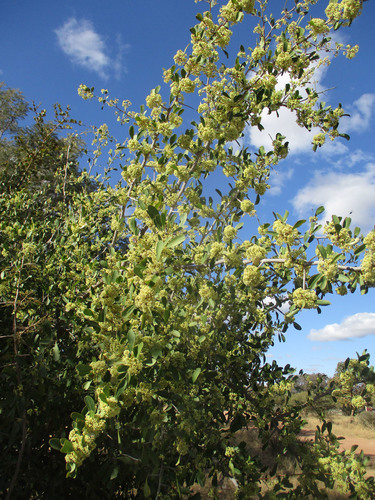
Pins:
x: 49, y: 48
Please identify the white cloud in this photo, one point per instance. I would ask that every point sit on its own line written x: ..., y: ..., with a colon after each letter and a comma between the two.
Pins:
x: 361, y: 112
x: 357, y: 326
x: 285, y: 123
x: 85, y: 47
x: 341, y: 194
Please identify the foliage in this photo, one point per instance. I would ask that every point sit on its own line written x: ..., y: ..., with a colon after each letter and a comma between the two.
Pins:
x: 140, y: 302
x: 354, y: 381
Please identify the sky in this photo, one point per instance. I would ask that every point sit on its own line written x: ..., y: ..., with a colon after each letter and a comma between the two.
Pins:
x: 49, y: 48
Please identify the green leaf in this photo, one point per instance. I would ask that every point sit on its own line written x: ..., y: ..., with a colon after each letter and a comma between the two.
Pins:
x: 195, y: 374
x: 359, y: 249
x: 55, y: 444
x: 183, y: 218
x: 347, y: 222
x: 138, y: 270
x: 299, y: 223
x: 319, y: 211
x: 77, y: 416
x: 90, y: 403
x: 103, y: 397
x: 321, y: 302
x: 159, y: 248
x: 56, y: 352
x: 156, y: 352
x: 133, y: 226
x: 88, y: 312
x: 146, y: 490
x: 66, y: 447
x: 152, y: 211
x: 176, y: 241
x: 83, y: 369
x: 114, y: 473
x: 322, y: 250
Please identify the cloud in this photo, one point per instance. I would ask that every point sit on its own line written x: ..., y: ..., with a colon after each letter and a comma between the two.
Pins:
x: 341, y: 194
x: 361, y: 112
x: 278, y: 178
x: 357, y: 326
x: 86, y: 48
x: 284, y: 123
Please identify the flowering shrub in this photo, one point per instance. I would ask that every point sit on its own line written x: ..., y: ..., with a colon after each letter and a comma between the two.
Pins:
x: 167, y: 308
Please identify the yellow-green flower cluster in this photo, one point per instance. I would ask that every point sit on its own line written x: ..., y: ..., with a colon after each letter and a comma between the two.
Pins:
x: 217, y: 250
x: 305, y: 299
x: 351, y: 51
x: 258, y: 53
x: 153, y: 100
x: 341, y: 239
x: 358, y: 402
x: 208, y: 292
x: 255, y: 253
x: 134, y: 364
x: 145, y: 298
x: 318, y: 26
x: 341, y: 290
x: 99, y: 368
x: 247, y: 206
x: 328, y: 268
x: 180, y: 58
x: 85, y: 92
x: 369, y: 241
x: 109, y: 408
x: 281, y: 388
x: 345, y: 11
x: 182, y: 446
x: 319, y: 139
x: 342, y: 471
x: 230, y: 451
x: 251, y: 276
x: 368, y: 268
x: 229, y: 233
x: 285, y: 233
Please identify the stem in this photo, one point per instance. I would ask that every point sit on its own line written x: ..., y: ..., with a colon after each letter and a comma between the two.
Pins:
x: 66, y: 171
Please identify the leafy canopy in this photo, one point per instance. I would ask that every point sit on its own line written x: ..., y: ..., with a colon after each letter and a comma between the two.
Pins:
x: 159, y: 314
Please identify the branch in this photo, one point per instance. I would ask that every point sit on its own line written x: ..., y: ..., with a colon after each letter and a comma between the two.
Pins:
x: 271, y: 261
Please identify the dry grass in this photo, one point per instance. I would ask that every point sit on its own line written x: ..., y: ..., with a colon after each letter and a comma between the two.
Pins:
x: 343, y: 426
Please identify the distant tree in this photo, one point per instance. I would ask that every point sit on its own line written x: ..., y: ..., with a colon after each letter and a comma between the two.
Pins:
x: 13, y: 108
x: 32, y: 156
